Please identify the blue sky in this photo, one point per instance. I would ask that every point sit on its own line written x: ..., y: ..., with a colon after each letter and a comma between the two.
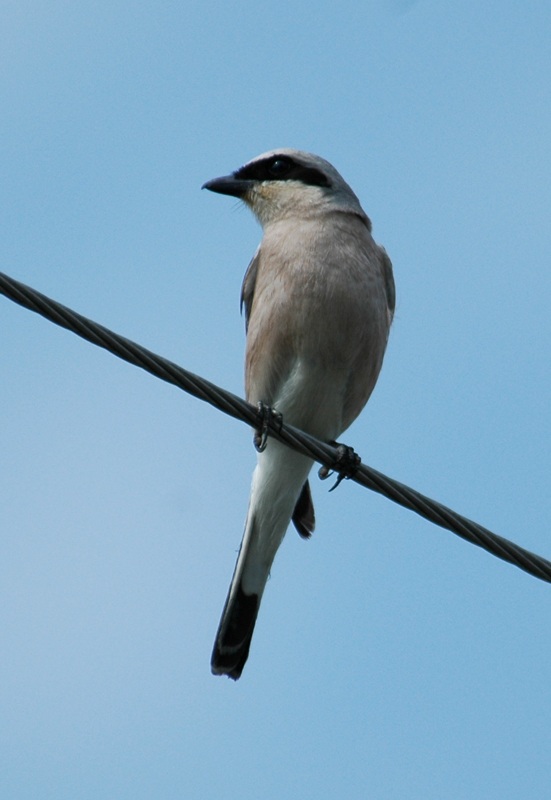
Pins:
x: 391, y: 659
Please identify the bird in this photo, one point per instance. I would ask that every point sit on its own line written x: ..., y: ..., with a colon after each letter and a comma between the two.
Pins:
x: 319, y: 299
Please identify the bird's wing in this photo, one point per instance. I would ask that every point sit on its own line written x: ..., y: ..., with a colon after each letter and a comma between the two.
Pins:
x: 389, y: 282
x: 247, y: 290
x: 304, y: 518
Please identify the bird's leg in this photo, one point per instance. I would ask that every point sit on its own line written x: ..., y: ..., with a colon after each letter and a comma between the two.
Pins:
x: 265, y: 415
x: 346, y: 464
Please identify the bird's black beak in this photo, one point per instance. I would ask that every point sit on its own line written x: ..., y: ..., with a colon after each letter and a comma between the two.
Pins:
x: 228, y: 184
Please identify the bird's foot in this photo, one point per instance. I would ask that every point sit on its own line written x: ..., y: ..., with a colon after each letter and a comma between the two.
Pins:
x: 345, y: 465
x: 266, y: 414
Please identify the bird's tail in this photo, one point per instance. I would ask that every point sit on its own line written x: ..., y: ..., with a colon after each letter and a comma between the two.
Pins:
x: 278, y: 488
x: 233, y: 639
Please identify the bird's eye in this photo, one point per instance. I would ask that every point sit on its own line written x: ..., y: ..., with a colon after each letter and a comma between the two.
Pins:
x: 279, y: 167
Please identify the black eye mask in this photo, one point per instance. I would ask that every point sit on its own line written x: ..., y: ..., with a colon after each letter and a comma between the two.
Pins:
x: 282, y: 168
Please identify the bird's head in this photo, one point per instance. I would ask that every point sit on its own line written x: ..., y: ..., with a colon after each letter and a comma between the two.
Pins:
x: 288, y: 183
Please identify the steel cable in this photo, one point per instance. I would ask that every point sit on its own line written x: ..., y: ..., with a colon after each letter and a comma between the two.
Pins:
x: 231, y: 404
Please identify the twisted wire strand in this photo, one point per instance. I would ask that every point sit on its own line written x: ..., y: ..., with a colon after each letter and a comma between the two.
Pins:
x: 238, y: 408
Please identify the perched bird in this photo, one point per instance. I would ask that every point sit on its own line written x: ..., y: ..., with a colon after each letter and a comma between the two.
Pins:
x: 319, y: 300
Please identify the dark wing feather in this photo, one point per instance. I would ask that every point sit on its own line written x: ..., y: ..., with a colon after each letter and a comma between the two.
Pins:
x: 247, y: 290
x: 303, y: 515
x: 389, y: 282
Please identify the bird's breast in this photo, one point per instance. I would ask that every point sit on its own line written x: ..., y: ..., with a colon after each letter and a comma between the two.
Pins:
x: 318, y: 324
